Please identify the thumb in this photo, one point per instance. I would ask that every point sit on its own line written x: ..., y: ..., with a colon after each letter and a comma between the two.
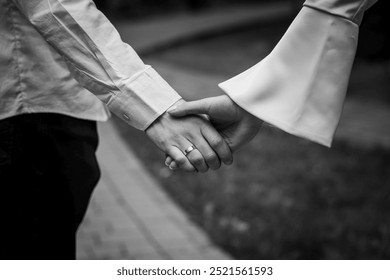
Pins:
x: 191, y: 108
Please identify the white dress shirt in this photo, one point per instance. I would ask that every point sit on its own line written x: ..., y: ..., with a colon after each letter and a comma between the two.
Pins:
x: 55, y: 53
x: 300, y: 86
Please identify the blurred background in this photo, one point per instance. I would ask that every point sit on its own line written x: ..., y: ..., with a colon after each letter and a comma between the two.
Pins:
x: 284, y: 197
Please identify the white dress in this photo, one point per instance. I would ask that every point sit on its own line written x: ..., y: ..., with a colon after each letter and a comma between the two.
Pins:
x: 300, y: 86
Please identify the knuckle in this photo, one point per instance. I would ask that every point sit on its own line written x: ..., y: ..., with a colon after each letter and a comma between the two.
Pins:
x: 176, y: 137
x: 217, y: 142
x: 211, y: 158
x: 181, y: 161
x: 197, y: 161
x: 162, y: 143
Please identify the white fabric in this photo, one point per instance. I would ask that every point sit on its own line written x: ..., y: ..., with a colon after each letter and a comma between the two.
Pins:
x: 349, y: 9
x: 300, y: 86
x: 83, y: 45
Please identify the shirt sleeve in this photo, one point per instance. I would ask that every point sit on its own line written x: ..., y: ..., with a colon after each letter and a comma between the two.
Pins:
x: 300, y: 86
x: 99, y: 60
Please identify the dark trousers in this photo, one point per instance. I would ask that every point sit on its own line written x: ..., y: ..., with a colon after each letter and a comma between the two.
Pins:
x: 48, y: 171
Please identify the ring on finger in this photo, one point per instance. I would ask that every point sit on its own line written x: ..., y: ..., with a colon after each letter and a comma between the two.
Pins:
x: 189, y: 150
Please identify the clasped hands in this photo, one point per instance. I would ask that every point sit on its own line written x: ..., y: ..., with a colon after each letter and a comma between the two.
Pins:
x: 203, y: 134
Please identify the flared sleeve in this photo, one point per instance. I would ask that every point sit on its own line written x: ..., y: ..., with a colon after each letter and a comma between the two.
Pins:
x: 300, y: 86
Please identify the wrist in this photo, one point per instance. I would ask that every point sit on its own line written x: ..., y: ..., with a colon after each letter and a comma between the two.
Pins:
x: 164, y: 115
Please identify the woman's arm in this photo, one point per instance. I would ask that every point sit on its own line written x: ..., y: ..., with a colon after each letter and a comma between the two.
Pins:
x: 301, y: 85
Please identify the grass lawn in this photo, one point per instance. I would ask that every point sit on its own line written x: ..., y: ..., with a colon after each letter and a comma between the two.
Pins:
x: 283, y: 198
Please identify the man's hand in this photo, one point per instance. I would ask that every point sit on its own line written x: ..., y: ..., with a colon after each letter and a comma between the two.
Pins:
x: 236, y: 125
x: 174, y: 135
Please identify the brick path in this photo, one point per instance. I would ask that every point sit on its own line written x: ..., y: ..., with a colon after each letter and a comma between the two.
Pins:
x: 130, y: 217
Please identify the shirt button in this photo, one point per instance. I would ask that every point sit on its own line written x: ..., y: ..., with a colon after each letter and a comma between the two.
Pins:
x: 126, y: 117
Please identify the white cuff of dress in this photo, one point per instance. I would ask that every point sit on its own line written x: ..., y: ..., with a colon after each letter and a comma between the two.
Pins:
x: 300, y: 86
x: 143, y: 99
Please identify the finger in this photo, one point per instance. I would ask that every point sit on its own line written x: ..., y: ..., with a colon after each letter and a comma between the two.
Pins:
x: 196, y: 158
x: 180, y: 159
x: 209, y: 156
x: 168, y: 160
x: 173, y: 165
x: 218, y: 144
x: 194, y: 107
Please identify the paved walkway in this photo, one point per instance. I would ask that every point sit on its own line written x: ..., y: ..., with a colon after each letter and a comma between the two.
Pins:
x: 130, y: 216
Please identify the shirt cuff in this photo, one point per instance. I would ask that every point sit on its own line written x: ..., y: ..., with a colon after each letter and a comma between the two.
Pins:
x: 143, y: 99
x: 301, y: 85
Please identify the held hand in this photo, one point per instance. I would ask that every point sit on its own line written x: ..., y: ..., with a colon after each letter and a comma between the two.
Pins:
x: 175, y: 135
x: 236, y: 125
